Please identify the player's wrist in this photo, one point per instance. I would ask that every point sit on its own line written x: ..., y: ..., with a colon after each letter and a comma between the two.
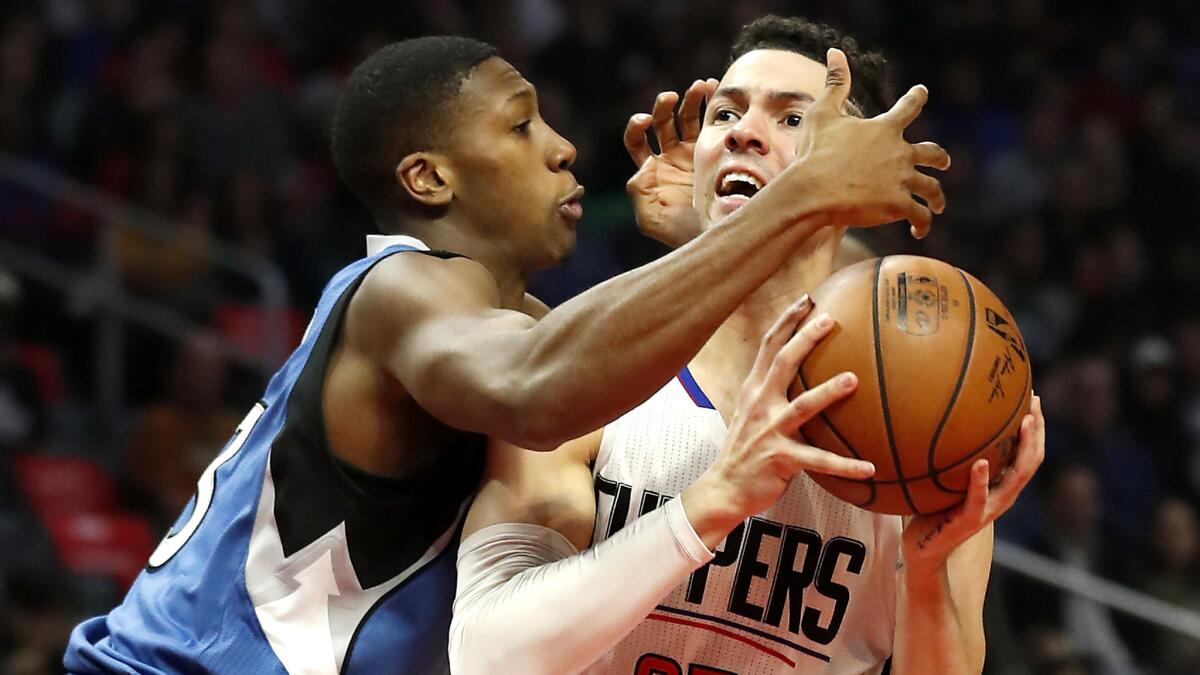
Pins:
x: 922, y: 567
x: 807, y: 195
x: 711, y: 508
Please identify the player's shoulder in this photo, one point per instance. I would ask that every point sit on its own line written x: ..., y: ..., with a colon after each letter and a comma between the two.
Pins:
x: 413, y: 282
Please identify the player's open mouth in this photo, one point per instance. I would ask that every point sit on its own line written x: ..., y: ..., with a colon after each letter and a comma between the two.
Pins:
x: 570, y: 208
x: 736, y: 185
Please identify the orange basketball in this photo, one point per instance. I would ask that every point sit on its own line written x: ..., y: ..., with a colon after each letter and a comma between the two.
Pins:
x: 943, y: 380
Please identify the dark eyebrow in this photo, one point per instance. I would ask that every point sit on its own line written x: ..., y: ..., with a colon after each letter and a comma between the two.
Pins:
x: 776, y: 96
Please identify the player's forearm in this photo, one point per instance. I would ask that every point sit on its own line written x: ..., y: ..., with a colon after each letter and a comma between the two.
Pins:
x: 930, y: 636
x: 526, y: 605
x: 608, y: 349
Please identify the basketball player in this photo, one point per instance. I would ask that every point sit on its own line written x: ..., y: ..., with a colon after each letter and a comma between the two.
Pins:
x: 320, y: 538
x: 753, y: 569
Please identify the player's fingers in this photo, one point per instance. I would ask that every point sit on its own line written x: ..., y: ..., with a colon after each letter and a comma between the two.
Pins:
x: 778, y: 335
x: 664, y: 120
x: 929, y: 189
x: 1039, y: 424
x: 689, y: 110
x: 837, y: 85
x: 908, y: 107
x: 809, y: 404
x: 1026, y: 463
x: 808, y: 458
x: 921, y: 219
x: 975, y: 505
x: 1031, y: 449
x: 932, y: 155
x: 635, y: 138
x: 787, y: 361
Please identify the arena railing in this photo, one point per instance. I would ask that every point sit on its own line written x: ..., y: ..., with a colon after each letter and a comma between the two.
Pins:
x: 97, y: 285
x: 1097, y: 589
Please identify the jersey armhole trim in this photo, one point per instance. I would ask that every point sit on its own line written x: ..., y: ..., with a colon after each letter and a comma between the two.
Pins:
x: 693, y: 389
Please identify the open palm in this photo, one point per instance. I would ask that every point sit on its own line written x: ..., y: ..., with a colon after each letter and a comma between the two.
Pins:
x: 661, y: 190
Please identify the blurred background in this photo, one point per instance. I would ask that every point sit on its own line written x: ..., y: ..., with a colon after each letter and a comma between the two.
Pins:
x: 169, y: 214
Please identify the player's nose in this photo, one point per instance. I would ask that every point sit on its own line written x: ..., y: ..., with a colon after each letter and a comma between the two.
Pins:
x: 562, y: 154
x: 746, y: 136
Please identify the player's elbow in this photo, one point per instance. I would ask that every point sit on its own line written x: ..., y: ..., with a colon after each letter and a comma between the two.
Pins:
x: 535, y: 413
x: 537, y: 427
x: 521, y: 412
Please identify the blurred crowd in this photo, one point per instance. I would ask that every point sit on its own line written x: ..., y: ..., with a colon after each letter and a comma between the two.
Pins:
x: 1075, y: 133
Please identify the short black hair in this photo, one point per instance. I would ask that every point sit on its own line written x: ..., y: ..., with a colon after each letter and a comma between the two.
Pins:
x: 871, y: 88
x: 396, y: 103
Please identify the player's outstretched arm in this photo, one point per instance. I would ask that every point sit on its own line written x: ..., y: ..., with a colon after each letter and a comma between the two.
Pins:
x: 437, y: 327
x: 521, y: 577
x: 947, y: 560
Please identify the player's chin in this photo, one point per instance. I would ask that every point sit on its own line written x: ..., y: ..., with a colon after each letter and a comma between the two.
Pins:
x: 557, y: 246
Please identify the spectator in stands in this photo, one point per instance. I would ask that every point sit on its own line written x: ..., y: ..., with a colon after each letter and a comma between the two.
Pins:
x: 1098, y: 438
x: 36, y: 618
x: 1073, y: 535
x: 1052, y: 653
x: 1154, y: 408
x: 173, y: 440
x: 1173, y: 575
x: 23, y: 414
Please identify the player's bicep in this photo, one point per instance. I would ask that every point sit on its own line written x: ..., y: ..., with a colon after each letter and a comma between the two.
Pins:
x: 436, y: 327
x: 551, y: 489
x: 464, y: 368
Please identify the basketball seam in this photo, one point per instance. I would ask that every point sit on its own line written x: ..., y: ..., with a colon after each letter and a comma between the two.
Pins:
x: 988, y: 442
x: 887, y: 416
x: 964, y: 458
x: 962, y: 375
x: 842, y: 439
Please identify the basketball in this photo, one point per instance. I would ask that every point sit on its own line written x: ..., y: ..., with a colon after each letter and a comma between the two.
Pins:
x: 943, y: 380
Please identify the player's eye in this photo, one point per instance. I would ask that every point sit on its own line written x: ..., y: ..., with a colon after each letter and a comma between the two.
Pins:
x: 523, y: 127
x: 793, y: 119
x: 724, y: 115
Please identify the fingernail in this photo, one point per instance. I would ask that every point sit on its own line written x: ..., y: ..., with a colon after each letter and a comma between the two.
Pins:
x: 803, y: 303
x: 846, y: 380
x: 867, y: 468
x: 824, y: 321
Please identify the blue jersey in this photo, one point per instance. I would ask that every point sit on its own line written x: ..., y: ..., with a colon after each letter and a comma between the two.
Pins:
x: 290, y: 560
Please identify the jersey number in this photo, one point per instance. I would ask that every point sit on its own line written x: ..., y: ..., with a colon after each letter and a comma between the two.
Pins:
x: 657, y: 664
x: 205, y: 487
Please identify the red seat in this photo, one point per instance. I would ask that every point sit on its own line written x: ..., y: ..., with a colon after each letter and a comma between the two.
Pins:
x: 55, y: 485
x: 246, y: 326
x: 115, y: 545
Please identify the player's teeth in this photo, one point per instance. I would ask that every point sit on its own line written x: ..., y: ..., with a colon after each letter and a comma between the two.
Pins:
x: 744, y: 177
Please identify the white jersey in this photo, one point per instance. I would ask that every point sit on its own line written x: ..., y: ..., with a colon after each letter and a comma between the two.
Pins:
x: 807, y: 586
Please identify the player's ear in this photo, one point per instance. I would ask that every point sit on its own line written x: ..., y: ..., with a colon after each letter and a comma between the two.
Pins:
x: 425, y: 177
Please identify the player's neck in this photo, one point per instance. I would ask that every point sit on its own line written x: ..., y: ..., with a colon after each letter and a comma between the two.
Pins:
x: 726, y: 359
x: 511, y: 276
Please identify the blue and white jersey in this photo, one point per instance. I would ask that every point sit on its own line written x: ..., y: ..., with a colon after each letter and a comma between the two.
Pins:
x: 290, y: 560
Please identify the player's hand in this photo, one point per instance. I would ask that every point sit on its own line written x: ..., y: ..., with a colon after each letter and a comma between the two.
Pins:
x: 930, y: 539
x: 762, y: 451
x: 865, y: 166
x: 661, y: 190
